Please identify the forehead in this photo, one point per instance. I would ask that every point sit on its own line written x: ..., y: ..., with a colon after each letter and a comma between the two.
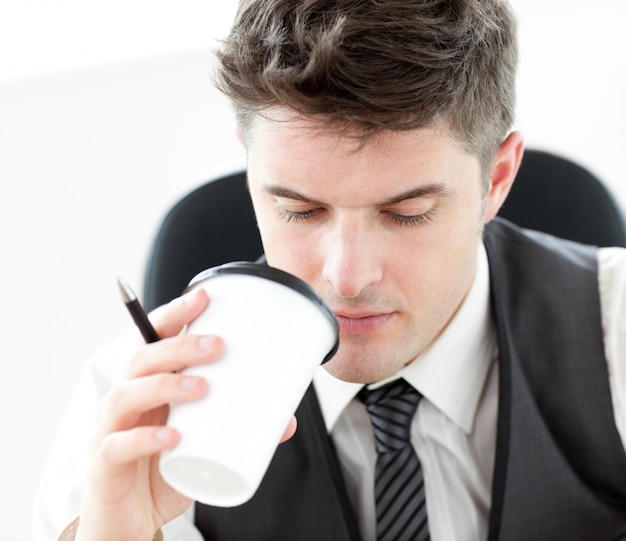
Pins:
x: 281, y: 122
x: 300, y: 153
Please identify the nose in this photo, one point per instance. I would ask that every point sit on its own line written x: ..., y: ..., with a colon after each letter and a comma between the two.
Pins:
x: 351, y: 259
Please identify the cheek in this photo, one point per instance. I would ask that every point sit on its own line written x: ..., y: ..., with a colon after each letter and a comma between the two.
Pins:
x: 437, y: 270
x: 457, y: 265
x: 287, y: 246
x: 290, y: 250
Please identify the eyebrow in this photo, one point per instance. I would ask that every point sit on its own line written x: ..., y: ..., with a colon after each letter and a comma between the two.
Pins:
x: 288, y: 194
x: 426, y: 190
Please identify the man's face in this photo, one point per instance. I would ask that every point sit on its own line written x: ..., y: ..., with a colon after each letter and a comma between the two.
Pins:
x: 385, y: 232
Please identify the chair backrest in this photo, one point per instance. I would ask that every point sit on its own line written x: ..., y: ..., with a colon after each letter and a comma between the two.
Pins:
x: 557, y: 196
x: 211, y: 225
x: 215, y: 223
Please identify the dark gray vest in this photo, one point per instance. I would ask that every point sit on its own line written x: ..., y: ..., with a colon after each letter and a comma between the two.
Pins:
x: 560, y: 470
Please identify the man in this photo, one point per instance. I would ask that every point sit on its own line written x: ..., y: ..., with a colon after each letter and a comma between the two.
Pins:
x: 379, y: 146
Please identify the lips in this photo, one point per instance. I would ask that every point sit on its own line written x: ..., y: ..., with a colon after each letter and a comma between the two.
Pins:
x: 362, y: 324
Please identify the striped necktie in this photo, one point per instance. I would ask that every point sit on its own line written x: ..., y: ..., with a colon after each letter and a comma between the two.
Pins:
x: 399, y: 484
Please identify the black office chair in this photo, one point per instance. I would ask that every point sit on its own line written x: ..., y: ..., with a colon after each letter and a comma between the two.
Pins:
x: 557, y: 196
x: 215, y: 223
x: 211, y: 225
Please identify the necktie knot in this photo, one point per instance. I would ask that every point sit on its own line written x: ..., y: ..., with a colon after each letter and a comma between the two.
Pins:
x: 391, y: 409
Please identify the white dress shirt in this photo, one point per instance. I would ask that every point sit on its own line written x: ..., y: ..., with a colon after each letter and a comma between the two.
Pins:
x: 453, y: 432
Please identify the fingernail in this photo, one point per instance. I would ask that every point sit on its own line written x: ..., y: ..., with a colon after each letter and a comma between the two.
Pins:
x: 189, y: 383
x: 162, y: 434
x: 207, y: 343
x: 189, y: 298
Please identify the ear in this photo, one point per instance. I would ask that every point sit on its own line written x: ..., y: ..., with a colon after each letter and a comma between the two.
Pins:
x: 503, y: 171
x: 238, y: 134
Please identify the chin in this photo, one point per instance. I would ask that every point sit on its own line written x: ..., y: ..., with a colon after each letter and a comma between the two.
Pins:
x: 358, y: 371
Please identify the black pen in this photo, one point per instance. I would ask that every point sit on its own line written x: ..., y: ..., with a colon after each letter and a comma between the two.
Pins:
x: 137, y: 312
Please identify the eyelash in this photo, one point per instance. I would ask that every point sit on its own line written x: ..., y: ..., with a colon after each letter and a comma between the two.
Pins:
x: 412, y: 221
x: 397, y: 219
x: 298, y: 216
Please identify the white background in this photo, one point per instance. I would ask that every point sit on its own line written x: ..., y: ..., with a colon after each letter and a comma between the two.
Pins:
x: 107, y: 115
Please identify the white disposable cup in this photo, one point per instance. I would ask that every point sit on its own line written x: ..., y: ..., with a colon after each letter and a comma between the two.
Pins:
x: 277, y: 331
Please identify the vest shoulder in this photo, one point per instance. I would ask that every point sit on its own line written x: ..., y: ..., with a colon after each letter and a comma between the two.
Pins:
x: 506, y: 239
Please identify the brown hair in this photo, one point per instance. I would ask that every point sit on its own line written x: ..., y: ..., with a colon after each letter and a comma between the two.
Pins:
x: 373, y: 65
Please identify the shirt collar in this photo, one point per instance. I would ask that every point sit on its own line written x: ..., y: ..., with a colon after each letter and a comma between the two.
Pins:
x: 451, y: 373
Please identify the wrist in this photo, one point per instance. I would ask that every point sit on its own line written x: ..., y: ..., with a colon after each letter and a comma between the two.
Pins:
x: 72, y: 533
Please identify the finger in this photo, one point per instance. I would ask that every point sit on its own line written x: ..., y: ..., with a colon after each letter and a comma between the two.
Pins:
x: 126, y: 403
x: 291, y: 430
x: 173, y: 354
x: 120, y: 449
x: 169, y: 319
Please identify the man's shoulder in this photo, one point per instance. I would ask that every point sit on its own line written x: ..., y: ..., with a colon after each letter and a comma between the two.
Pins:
x: 506, y: 240
x: 612, y: 259
x: 612, y: 284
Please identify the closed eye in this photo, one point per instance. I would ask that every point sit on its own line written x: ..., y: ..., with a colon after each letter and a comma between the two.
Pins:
x: 299, y: 215
x: 412, y: 220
